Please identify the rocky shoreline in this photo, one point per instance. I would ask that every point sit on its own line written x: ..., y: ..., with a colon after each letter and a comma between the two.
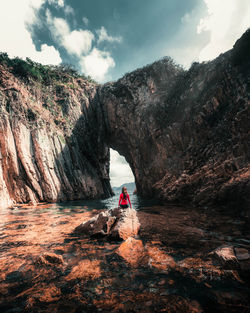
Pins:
x: 182, y: 260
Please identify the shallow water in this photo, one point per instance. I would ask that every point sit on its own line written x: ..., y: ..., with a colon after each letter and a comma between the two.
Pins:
x: 108, y: 203
x: 90, y: 275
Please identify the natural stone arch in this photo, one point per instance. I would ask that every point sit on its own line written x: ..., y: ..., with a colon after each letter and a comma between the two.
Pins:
x: 129, y: 109
x: 178, y: 132
x: 184, y: 134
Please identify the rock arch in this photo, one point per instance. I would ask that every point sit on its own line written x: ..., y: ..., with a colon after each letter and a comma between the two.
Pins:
x: 185, y: 134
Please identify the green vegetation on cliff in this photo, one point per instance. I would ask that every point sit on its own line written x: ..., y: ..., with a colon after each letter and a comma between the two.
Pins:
x: 46, y: 74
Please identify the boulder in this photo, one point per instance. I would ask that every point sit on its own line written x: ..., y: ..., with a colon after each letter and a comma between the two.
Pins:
x: 133, y: 252
x: 98, y: 225
x: 225, y: 256
x: 126, y: 224
x: 136, y: 254
x: 50, y: 259
x: 114, y: 223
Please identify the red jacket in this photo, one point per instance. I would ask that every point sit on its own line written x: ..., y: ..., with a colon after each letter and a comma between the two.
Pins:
x: 125, y: 200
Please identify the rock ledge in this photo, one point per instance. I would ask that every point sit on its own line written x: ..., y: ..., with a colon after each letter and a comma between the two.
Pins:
x: 116, y: 223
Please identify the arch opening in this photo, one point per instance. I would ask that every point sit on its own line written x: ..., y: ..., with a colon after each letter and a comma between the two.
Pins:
x: 120, y: 171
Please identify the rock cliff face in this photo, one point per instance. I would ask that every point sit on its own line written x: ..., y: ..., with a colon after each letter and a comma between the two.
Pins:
x: 185, y: 134
x: 50, y: 149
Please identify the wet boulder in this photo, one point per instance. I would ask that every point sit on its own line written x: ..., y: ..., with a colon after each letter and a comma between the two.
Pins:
x: 225, y: 256
x: 114, y: 223
x: 126, y: 224
x: 98, y: 225
x: 50, y: 259
x: 133, y: 252
x: 136, y: 254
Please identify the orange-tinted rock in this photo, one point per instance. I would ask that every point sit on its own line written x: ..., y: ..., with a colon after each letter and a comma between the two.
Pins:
x: 133, y: 251
x: 226, y: 256
x: 136, y: 254
x: 41, y: 158
x: 50, y: 259
x: 95, y: 276
x: 159, y: 259
x: 41, y: 293
x: 115, y: 223
x: 48, y: 293
x: 85, y: 269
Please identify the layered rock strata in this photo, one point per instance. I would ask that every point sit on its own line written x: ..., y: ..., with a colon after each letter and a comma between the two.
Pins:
x: 185, y: 134
x: 50, y: 147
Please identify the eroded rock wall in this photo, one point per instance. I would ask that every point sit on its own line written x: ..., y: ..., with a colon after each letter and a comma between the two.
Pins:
x: 185, y: 134
x: 50, y: 148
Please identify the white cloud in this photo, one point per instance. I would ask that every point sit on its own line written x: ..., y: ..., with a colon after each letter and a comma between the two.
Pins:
x: 58, y: 3
x: 85, y: 20
x: 69, y: 10
x: 59, y: 28
x: 97, y: 63
x: 103, y: 36
x: 61, y: 3
x: 76, y: 42
x: 120, y: 171
x: 15, y: 39
x: 226, y: 21
x: 93, y: 61
x: 48, y: 55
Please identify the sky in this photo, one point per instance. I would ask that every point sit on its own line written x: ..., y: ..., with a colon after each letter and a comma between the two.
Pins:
x: 107, y: 38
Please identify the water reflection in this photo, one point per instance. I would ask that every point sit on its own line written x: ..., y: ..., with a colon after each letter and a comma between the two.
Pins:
x: 136, y: 201
x: 43, y: 268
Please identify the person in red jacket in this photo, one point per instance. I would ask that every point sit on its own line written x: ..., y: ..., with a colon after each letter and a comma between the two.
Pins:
x: 124, y: 199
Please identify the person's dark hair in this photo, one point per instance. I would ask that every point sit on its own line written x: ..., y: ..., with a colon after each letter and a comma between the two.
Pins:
x: 123, y: 191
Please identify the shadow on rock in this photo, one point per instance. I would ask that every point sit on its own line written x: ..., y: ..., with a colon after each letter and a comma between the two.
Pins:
x: 117, y: 223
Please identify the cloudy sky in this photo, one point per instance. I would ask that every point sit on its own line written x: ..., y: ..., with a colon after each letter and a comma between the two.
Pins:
x: 108, y: 38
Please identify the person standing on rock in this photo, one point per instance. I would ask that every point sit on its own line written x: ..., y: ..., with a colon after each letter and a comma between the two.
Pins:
x: 124, y: 199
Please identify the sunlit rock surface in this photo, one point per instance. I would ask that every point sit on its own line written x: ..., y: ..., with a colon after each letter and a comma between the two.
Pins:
x: 115, y: 223
x: 133, y: 251
x: 137, y: 255
x: 50, y: 259
x: 169, y: 267
x: 49, y: 149
x: 185, y: 134
x: 226, y: 256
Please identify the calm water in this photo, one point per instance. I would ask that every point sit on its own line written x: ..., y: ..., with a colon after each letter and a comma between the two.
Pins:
x: 108, y: 203
x: 166, y: 269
